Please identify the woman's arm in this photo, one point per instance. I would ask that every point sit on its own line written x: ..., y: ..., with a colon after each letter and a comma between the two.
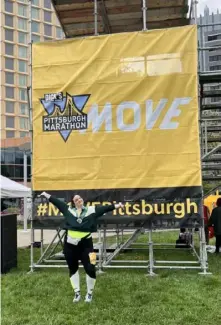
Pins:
x: 100, y: 210
x: 62, y: 206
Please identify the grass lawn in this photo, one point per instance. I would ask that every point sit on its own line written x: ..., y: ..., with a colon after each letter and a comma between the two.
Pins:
x: 121, y: 297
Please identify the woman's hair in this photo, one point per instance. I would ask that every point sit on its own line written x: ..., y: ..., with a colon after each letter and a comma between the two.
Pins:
x: 218, y: 202
x: 72, y: 202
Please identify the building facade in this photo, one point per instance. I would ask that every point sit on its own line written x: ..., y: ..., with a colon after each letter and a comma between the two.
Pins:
x: 14, y: 76
x: 12, y: 159
x: 210, y: 36
x: 15, y: 58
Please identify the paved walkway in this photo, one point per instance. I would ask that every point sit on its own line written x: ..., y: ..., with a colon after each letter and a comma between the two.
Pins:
x: 24, y: 237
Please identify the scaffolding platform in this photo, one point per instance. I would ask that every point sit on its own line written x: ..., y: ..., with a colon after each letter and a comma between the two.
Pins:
x: 84, y: 18
x: 214, y: 128
x: 208, y: 77
x: 209, y: 106
x: 214, y: 139
x: 213, y: 158
x: 212, y: 93
x: 212, y: 117
x: 212, y: 167
x: 212, y: 178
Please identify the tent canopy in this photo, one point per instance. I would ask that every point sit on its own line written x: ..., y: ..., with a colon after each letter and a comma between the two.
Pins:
x: 12, y: 189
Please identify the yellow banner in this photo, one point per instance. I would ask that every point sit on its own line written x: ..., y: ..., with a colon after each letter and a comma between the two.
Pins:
x: 116, y: 111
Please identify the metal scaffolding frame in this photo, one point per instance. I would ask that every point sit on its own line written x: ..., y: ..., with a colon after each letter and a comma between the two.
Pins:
x: 209, y: 155
x: 210, y: 113
x: 108, y: 257
x: 105, y: 260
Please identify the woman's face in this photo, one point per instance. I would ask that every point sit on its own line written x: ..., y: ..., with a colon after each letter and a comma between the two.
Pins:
x: 78, y: 201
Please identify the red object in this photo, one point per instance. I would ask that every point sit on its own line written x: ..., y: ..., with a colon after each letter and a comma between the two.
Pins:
x: 211, y: 232
x: 206, y: 214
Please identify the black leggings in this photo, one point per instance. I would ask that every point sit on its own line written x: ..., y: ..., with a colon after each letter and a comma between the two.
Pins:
x: 74, y: 253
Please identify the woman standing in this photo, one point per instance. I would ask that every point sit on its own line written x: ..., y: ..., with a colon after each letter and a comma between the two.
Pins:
x: 215, y: 221
x: 80, y: 222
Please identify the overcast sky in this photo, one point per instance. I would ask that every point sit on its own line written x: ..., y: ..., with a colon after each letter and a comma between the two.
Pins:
x: 212, y: 4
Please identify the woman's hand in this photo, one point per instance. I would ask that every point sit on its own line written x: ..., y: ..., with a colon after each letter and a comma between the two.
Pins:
x: 119, y: 205
x: 45, y: 194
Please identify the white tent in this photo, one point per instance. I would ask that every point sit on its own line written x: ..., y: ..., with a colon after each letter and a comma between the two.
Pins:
x: 12, y: 189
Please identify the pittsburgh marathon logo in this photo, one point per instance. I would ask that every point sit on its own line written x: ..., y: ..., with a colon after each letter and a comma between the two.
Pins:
x: 65, y: 113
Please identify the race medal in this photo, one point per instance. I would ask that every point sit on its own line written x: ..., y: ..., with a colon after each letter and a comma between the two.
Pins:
x: 79, y: 220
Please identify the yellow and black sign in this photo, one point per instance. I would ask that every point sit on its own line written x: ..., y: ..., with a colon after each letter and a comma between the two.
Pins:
x: 118, y: 112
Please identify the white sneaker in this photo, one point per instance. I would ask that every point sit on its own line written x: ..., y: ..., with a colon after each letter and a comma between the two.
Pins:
x: 88, y: 297
x: 77, y: 296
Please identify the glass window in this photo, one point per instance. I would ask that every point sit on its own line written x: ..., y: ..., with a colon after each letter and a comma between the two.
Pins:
x: 47, y: 16
x: 47, y: 38
x: 9, y: 64
x: 29, y: 173
x: 9, y: 21
x: 47, y: 30
x: 29, y: 161
x: 9, y: 156
x: 19, y: 157
x: 9, y: 107
x: 23, y: 123
x: 35, y: 13
x: 19, y: 173
x: 57, y: 22
x: 22, y: 66
x: 214, y: 37
x: 23, y: 134
x: 35, y: 2
x: 22, y: 38
x: 9, y: 78
x: 10, y: 134
x: 22, y: 24
x: 215, y: 67
x: 2, y: 156
x: 8, y: 6
x: 22, y: 94
x: 215, y: 58
x: 35, y: 27
x: 9, y: 49
x: 22, y: 80
x: 35, y: 38
x: 23, y: 108
x: 8, y: 171
x: 10, y: 122
x: 9, y: 35
x: 22, y: 10
x: 22, y: 52
x: 59, y: 32
x: 9, y: 92
x: 47, y: 4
